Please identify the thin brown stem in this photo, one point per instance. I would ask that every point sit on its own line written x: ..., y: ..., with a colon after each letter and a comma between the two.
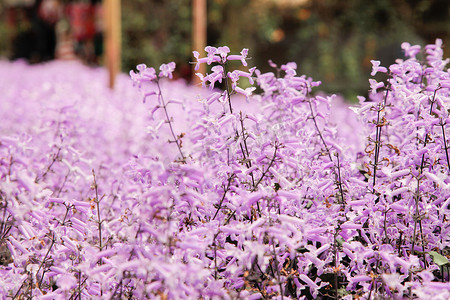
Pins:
x: 417, y: 219
x: 380, y: 123
x: 278, y: 270
x: 341, y: 191
x: 268, y: 167
x: 169, y: 121
x: 45, y: 258
x: 445, y: 145
x: 49, y: 167
x: 244, y: 139
x: 99, y: 219
x: 225, y: 191
x: 337, y: 176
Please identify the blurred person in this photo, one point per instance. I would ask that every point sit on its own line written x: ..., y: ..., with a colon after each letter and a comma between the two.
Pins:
x: 65, y: 42
x: 34, y: 38
x: 98, y: 36
x: 45, y: 34
x: 24, y: 40
x: 51, y: 11
x: 85, y: 22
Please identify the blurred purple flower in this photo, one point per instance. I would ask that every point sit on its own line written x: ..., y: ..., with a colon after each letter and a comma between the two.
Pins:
x: 167, y: 70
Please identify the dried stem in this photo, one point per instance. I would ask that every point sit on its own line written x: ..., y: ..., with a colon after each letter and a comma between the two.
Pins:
x: 45, y: 258
x: 215, y: 258
x: 225, y: 191
x: 275, y: 260
x: 268, y: 167
x: 341, y: 191
x: 169, y: 121
x: 3, y: 226
x: 335, y: 262
x: 380, y: 123
x: 77, y: 291
x: 445, y: 145
x: 79, y: 285
x: 99, y: 219
x: 243, y: 144
x: 417, y: 219
x: 386, y: 239
x: 247, y: 153
x: 63, y: 184
x: 49, y: 167
x: 337, y: 175
x: 426, y: 134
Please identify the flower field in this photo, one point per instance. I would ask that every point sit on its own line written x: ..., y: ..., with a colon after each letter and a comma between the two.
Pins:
x: 256, y: 186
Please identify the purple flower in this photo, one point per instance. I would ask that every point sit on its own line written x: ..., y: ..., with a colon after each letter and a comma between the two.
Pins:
x: 209, y: 59
x: 376, y: 68
x: 375, y: 85
x: 410, y: 51
x: 272, y: 64
x: 216, y: 75
x: 66, y: 282
x: 145, y: 75
x: 237, y: 74
x: 241, y: 57
x: 223, y: 52
x: 167, y: 70
x: 247, y: 92
x: 199, y: 60
x: 290, y: 187
x: 211, y: 54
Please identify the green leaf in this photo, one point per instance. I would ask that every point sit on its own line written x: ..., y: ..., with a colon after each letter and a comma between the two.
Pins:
x: 438, y: 259
x: 277, y: 186
x: 302, y: 250
x: 343, y: 292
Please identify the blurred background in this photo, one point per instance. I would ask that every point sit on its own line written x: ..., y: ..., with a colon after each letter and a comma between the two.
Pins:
x: 330, y: 40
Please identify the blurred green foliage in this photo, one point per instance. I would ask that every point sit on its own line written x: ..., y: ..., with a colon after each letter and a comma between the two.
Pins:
x: 3, y: 41
x: 4, y: 33
x: 155, y: 32
x: 331, y: 40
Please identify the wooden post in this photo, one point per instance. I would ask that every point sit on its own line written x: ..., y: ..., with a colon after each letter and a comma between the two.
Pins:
x: 112, y: 42
x: 199, y: 15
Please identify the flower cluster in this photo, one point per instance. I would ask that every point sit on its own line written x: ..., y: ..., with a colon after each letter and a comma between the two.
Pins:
x: 271, y: 190
x: 149, y: 74
x: 219, y: 55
